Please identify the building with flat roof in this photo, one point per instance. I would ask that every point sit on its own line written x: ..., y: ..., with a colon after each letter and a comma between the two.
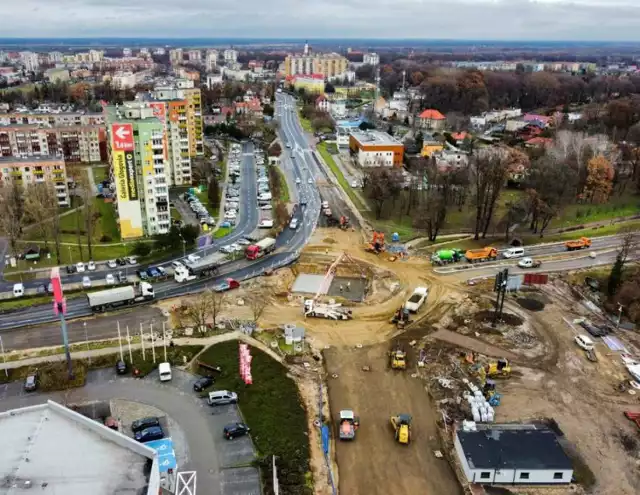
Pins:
x: 36, y: 170
x: 51, y: 450
x: 376, y: 149
x: 524, y: 454
x: 330, y: 65
x: 52, y: 116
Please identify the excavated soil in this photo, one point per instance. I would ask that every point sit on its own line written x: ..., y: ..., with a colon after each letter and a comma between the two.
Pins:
x: 530, y: 303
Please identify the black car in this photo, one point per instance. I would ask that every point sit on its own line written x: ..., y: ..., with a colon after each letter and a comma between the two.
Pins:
x: 593, y: 330
x: 234, y: 430
x: 121, y: 367
x: 121, y: 261
x: 71, y: 269
x: 31, y: 382
x: 202, y: 383
x: 149, y: 434
x: 141, y: 424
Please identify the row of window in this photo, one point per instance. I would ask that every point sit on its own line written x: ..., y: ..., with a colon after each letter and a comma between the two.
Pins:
x: 486, y: 475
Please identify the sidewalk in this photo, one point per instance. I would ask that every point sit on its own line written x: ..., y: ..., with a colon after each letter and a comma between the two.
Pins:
x: 207, y: 341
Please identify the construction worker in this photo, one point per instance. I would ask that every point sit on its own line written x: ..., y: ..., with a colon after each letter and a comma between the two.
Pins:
x: 348, y: 286
x: 341, y: 288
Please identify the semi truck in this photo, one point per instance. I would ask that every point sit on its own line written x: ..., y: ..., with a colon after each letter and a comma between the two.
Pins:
x: 120, y: 296
x: 203, y: 267
x: 329, y: 311
x: 260, y: 248
x: 445, y: 256
x: 484, y: 254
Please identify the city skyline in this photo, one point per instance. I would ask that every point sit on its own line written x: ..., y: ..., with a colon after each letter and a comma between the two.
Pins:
x: 496, y: 20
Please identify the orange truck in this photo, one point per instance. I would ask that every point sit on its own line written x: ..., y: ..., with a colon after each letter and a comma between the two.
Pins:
x: 583, y: 242
x: 484, y: 254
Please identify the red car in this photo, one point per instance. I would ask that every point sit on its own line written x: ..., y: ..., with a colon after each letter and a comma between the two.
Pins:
x: 228, y: 284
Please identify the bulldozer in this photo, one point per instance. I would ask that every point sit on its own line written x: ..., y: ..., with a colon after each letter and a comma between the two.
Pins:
x: 498, y: 369
x: 402, y: 428
x: 377, y: 243
x: 401, y: 318
x: 398, y: 359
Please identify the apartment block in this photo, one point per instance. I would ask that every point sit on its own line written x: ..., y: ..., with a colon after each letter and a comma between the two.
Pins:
x: 176, y: 56
x: 328, y: 64
x: 77, y: 143
x: 36, y: 170
x: 51, y: 117
x: 137, y: 156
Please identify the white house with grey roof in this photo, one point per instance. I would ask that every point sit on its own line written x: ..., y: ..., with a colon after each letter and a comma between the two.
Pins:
x: 512, y: 454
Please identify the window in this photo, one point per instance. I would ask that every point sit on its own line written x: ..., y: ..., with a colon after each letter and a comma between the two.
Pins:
x: 524, y: 476
x: 558, y: 476
x: 485, y: 475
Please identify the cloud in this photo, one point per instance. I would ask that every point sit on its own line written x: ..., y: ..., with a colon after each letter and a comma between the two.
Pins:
x: 614, y: 20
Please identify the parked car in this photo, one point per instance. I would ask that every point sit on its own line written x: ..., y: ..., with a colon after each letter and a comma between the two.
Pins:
x: 153, y: 272
x: 177, y: 264
x: 149, y: 434
x: 131, y: 260
x: 141, y: 424
x: 221, y: 398
x: 121, y: 261
x: 122, y: 278
x: 161, y: 271
x: 71, y: 269
x: 235, y: 430
x: 228, y: 284
x: 243, y: 242
x: 112, y: 264
x: 110, y: 279
x: 142, y: 275
x: 585, y: 342
x: 80, y: 267
x: 86, y: 282
x: 226, y: 249
x: 91, y: 266
x: 202, y: 383
x: 121, y: 367
x: 592, y: 329
x: 31, y: 382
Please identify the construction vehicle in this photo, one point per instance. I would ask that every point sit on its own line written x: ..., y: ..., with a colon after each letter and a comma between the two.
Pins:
x: 478, y: 255
x: 583, y: 242
x: 260, y: 248
x: 417, y: 299
x: 633, y: 416
x: 348, y: 424
x: 398, y: 358
x: 490, y: 393
x: 499, y: 368
x: 329, y: 311
x: 446, y: 256
x: 377, y: 243
x: 120, y: 296
x: 344, y: 222
x: 200, y: 267
x: 402, y: 428
x: 401, y: 318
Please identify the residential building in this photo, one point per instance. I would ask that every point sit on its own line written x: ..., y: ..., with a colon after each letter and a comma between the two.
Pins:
x: 184, y: 90
x: 211, y: 60
x: 430, y: 145
x: 451, y: 159
x: 29, y: 61
x: 313, y: 83
x: 432, y: 119
x: 330, y: 65
x: 376, y: 149
x: 57, y: 75
x: 96, y: 56
x: 214, y: 79
x: 251, y: 108
x: 131, y: 64
x: 323, y: 103
x: 137, y: 156
x: 371, y: 59
x: 126, y: 52
x: 36, y: 170
x: 512, y: 454
x: 176, y: 56
x: 344, y: 128
x: 52, y: 449
x: 55, y: 57
x: 77, y: 143
x: 190, y: 74
x: 194, y: 56
x: 128, y: 79
x: 51, y: 117
x: 230, y: 56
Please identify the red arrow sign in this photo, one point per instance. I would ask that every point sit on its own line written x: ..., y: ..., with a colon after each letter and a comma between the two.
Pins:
x: 122, y: 135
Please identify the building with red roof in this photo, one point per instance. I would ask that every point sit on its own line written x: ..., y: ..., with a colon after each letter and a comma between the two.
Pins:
x: 432, y: 119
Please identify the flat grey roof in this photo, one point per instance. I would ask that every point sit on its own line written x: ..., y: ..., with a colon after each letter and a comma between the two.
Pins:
x: 53, y: 450
x: 372, y: 138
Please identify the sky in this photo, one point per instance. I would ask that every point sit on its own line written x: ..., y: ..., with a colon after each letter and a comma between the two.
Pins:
x: 579, y: 20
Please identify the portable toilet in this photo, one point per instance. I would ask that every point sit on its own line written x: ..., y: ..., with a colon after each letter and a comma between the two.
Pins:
x: 395, y: 237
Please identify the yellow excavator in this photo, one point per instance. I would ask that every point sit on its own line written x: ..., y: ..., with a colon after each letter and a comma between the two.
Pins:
x: 402, y: 428
x: 398, y: 358
x: 499, y: 368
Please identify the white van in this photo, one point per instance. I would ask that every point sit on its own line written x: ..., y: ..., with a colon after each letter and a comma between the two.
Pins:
x: 585, y: 342
x: 165, y: 372
x: 514, y: 252
x: 18, y: 290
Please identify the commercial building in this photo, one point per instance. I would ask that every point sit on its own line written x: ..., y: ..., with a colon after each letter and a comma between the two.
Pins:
x: 50, y: 449
x: 330, y: 65
x: 56, y: 75
x: 313, y: 83
x: 77, y: 143
x: 36, y: 170
x: 376, y: 149
x: 137, y: 155
x: 512, y: 454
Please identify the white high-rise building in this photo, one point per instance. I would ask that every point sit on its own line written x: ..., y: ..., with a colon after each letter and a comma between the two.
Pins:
x: 176, y: 56
x: 55, y: 57
x: 230, y: 56
x: 194, y: 56
x: 29, y: 61
x: 371, y: 59
x: 126, y: 52
x: 96, y: 56
x: 211, y: 60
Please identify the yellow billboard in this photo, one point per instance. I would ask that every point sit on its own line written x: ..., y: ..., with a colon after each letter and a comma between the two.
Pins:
x: 120, y: 173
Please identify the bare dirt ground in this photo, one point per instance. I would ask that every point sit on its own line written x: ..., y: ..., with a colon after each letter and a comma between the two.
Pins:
x: 374, y: 463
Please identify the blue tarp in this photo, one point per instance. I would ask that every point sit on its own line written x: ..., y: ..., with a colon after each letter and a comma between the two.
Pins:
x: 325, y: 439
x: 166, y: 454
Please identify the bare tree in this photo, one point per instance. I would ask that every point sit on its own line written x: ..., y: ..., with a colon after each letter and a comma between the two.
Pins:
x: 258, y: 300
x: 382, y: 184
x: 91, y: 216
x: 12, y: 214
x: 216, y: 302
x: 489, y: 168
x: 197, y: 311
x: 41, y: 209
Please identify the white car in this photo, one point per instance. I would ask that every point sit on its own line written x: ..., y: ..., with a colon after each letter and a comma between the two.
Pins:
x: 193, y: 258
x: 91, y: 266
x: 86, y: 282
x: 226, y: 249
x: 243, y: 242
x: 354, y: 184
x: 131, y: 260
x: 266, y: 207
x: 110, y: 279
x: 112, y: 264
x: 80, y: 267
x: 177, y: 264
x: 266, y: 224
x: 298, y: 181
x: 230, y: 215
x: 585, y: 342
x: 236, y: 247
x: 309, y: 180
x: 293, y: 225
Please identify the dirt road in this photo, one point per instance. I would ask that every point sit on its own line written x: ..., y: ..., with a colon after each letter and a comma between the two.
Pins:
x: 374, y: 463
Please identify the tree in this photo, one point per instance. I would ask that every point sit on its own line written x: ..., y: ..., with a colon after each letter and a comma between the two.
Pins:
x: 257, y: 301
x: 268, y: 110
x: 197, y: 311
x: 628, y: 245
x: 91, y: 216
x: 216, y: 303
x: 41, y: 210
x: 329, y: 88
x: 12, y: 213
x: 419, y: 140
x: 489, y: 169
x: 599, y: 183
x: 382, y: 184
x: 213, y: 192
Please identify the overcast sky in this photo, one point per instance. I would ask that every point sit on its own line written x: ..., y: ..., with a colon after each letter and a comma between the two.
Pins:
x: 616, y: 20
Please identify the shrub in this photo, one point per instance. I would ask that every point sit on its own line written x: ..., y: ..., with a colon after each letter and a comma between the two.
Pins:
x: 105, y: 238
x: 141, y: 248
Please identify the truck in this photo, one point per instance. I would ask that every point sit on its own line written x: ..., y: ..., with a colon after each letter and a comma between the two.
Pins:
x: 329, y: 311
x: 120, y: 296
x: 348, y: 424
x: 484, y: 254
x: 202, y: 267
x: 417, y: 299
x: 260, y: 248
x: 445, y: 256
x: 583, y: 242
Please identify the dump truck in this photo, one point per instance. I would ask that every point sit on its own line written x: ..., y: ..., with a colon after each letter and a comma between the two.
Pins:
x: 402, y: 428
x: 445, y: 256
x: 398, y: 358
x: 417, y: 299
x: 583, y: 242
x: 377, y: 243
x: 329, y: 311
x: 120, y: 296
x: 348, y: 424
x: 260, y: 248
x: 484, y: 254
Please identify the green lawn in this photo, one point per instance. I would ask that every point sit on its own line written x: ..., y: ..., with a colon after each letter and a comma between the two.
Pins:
x: 322, y: 148
x: 100, y: 173
x: 284, y: 188
x: 306, y: 123
x: 274, y: 411
x: 222, y: 231
x: 618, y: 206
x: 105, y: 226
x: 175, y: 214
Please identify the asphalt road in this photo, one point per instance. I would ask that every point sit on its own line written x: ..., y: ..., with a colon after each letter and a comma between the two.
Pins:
x: 201, y: 426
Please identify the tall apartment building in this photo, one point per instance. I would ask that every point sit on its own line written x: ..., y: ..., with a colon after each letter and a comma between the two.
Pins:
x: 184, y: 90
x: 96, y: 56
x: 230, y: 56
x: 211, y: 60
x: 30, y: 61
x: 126, y: 52
x: 55, y: 57
x: 137, y: 156
x: 194, y: 56
x: 48, y: 117
x: 175, y: 56
x: 328, y: 64
x: 371, y: 59
x: 36, y: 170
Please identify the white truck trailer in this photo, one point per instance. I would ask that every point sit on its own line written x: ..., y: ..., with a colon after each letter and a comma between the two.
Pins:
x: 329, y: 311
x: 120, y: 296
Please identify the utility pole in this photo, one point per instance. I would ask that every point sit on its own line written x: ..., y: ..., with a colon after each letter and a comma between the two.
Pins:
x: 500, y: 287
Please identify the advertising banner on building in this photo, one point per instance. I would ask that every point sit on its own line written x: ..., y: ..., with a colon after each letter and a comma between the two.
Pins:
x: 130, y: 172
x: 120, y: 173
x: 122, y: 137
x: 124, y: 170
x: 160, y: 112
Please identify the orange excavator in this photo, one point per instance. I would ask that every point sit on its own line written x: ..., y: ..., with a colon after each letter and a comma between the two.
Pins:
x: 377, y: 243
